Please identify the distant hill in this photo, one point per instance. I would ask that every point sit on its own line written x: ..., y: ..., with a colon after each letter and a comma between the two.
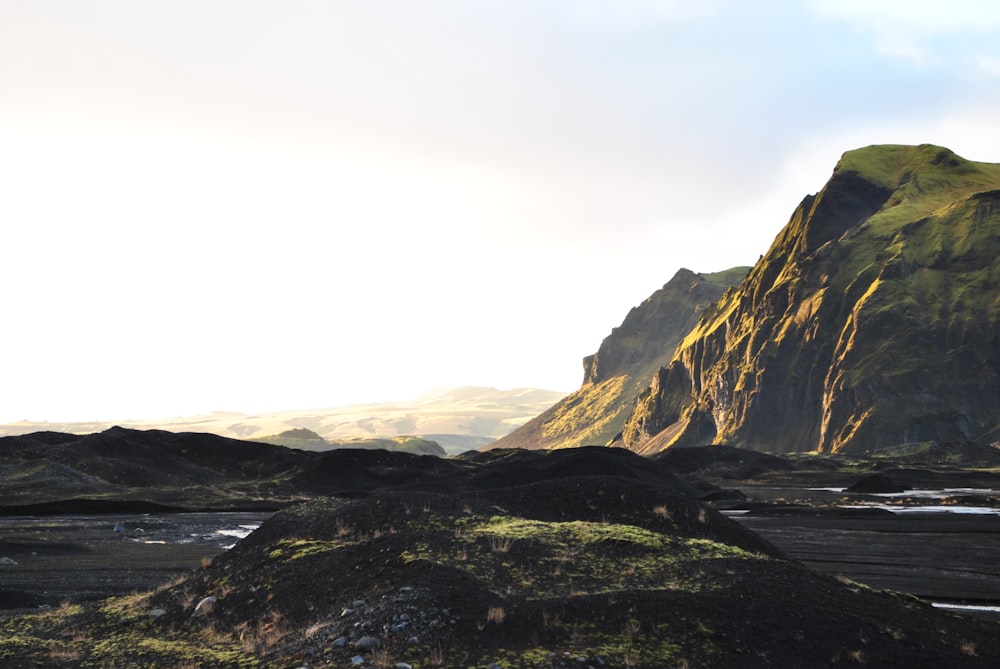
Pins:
x: 458, y: 418
x: 626, y: 360
x: 307, y: 440
x: 873, y: 322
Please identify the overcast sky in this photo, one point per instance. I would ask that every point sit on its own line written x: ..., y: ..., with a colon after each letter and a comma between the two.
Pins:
x: 247, y: 205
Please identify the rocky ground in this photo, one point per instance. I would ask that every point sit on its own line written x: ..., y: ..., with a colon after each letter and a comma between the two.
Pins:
x: 585, y: 558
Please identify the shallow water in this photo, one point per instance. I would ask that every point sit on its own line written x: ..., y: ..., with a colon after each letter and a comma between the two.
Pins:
x: 217, y: 529
x: 927, y: 508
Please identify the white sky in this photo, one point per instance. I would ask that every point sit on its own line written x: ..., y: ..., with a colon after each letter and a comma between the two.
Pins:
x: 251, y: 206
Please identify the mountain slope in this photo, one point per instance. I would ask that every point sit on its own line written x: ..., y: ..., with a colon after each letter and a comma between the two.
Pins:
x: 622, y: 366
x: 873, y: 321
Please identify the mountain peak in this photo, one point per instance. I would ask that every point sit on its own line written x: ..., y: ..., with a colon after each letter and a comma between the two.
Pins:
x: 893, y: 165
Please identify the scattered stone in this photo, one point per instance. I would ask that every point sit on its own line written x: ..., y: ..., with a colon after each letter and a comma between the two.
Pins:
x: 358, y: 603
x: 406, y: 588
x: 357, y: 659
x: 340, y: 642
x: 346, y: 612
x: 367, y: 643
x: 7, y: 562
x: 413, y: 641
x: 403, y: 665
x: 205, y: 606
x: 156, y: 613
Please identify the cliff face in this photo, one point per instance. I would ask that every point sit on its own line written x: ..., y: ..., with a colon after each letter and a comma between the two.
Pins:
x: 619, y: 371
x: 872, y: 321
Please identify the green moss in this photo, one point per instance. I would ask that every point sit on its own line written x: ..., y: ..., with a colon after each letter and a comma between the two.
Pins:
x: 536, y: 560
x: 152, y: 651
x: 295, y: 549
x: 23, y: 646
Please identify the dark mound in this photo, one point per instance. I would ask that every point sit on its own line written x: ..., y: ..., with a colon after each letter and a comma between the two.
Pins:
x: 586, y: 557
x: 49, y: 473
x: 570, y: 571
x: 347, y: 470
x: 722, y: 461
x: 507, y: 468
x: 876, y: 484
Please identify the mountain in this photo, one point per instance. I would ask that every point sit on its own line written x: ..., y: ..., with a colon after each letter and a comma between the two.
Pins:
x: 873, y: 321
x: 457, y: 418
x: 620, y: 370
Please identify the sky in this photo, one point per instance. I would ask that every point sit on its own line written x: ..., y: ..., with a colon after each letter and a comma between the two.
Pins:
x: 239, y: 205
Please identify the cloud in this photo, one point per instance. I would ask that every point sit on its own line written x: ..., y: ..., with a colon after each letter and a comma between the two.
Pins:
x: 914, y: 16
x: 923, y: 33
x: 990, y: 65
x: 632, y: 15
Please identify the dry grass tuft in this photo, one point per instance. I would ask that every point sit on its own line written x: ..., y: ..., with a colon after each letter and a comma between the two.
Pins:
x: 495, y: 614
x: 343, y: 529
x: 501, y: 544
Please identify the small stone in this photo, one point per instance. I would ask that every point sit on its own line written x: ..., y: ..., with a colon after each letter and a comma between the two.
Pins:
x: 340, y: 642
x: 406, y: 588
x: 357, y: 660
x: 405, y: 617
x: 399, y: 627
x: 156, y: 613
x: 367, y: 643
x: 403, y: 665
x: 205, y: 606
x: 413, y: 641
x: 358, y: 603
x: 7, y: 562
x: 346, y: 612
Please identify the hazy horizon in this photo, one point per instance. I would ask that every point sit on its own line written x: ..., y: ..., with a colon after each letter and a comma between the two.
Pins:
x: 253, y: 207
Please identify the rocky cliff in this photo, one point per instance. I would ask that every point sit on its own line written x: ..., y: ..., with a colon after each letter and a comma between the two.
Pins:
x: 620, y: 370
x: 873, y: 321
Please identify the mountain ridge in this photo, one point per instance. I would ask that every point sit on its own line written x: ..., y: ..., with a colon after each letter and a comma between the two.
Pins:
x: 872, y: 321
x: 615, y: 375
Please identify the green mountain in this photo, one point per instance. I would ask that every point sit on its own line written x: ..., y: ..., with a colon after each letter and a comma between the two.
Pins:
x: 620, y: 370
x: 873, y: 322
